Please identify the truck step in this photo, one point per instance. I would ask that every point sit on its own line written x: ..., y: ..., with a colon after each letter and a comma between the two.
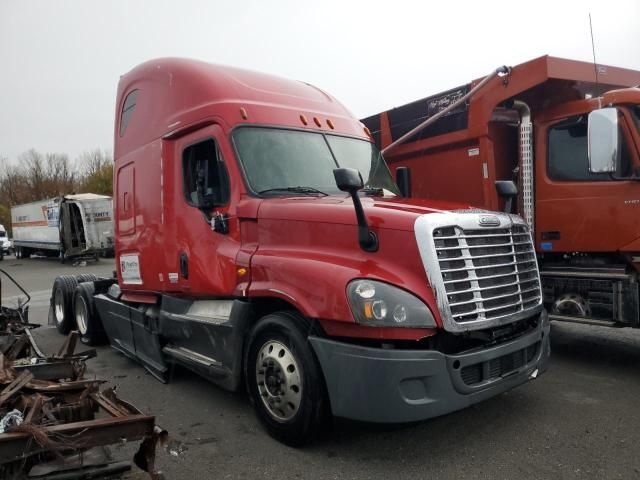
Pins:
x: 185, y: 355
x: 583, y: 320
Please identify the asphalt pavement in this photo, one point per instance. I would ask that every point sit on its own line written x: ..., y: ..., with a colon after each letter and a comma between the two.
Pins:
x: 580, y: 419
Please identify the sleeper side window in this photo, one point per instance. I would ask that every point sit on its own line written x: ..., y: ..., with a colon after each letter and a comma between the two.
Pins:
x: 206, y: 183
x: 127, y: 110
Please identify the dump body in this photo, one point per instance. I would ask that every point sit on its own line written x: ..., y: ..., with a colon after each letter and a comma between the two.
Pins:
x: 72, y: 225
x: 531, y: 127
x: 235, y: 239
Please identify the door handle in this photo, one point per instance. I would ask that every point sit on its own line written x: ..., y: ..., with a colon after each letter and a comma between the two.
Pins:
x: 184, y: 265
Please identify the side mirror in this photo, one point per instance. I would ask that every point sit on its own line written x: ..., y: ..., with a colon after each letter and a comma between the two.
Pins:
x: 507, y: 190
x: 348, y: 179
x: 403, y: 179
x: 603, y: 140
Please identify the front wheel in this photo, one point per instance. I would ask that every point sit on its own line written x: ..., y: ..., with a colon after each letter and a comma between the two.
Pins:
x: 284, y: 379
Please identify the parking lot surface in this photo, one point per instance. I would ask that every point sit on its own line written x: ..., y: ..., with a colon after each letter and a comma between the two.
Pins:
x: 578, y: 420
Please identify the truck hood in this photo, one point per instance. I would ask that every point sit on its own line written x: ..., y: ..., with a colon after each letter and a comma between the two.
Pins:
x: 386, y: 213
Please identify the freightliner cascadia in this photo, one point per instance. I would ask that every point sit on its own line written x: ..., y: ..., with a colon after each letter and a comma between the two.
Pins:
x: 262, y: 242
x: 567, y: 134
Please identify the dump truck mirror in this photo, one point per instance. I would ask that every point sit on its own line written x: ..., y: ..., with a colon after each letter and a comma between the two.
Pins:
x: 603, y: 140
x: 403, y: 179
x: 507, y: 190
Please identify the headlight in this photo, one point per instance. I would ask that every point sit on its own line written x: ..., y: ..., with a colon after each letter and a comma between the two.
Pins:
x: 379, y: 304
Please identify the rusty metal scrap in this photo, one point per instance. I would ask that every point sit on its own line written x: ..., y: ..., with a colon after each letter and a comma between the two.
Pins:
x: 62, y: 413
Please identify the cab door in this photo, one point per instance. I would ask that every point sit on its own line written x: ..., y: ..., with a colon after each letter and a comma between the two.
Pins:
x: 203, y: 215
x: 580, y: 211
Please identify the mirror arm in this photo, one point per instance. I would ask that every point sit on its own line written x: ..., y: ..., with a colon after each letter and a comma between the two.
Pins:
x: 368, y: 240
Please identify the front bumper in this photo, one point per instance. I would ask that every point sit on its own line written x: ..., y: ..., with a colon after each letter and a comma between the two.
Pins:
x: 393, y: 386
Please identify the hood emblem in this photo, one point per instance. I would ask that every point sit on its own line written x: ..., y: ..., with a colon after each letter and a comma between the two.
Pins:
x: 489, y: 221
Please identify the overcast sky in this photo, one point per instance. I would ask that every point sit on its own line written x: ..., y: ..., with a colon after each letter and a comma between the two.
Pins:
x: 60, y: 60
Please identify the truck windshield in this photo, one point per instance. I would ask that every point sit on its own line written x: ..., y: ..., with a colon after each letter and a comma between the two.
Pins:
x: 279, y: 161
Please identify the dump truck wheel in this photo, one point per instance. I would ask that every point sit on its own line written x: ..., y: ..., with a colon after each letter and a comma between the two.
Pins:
x: 62, y: 303
x: 284, y: 379
x: 86, y: 315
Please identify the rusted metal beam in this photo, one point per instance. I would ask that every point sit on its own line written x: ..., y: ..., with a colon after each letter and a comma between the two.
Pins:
x: 93, y: 433
x: 24, y: 378
x: 69, y: 345
x: 109, y: 406
x: 35, y: 412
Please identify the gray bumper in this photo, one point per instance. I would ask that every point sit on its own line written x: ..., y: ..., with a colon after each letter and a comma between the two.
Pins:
x: 393, y: 386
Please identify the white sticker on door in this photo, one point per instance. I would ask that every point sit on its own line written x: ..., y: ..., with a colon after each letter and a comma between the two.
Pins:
x: 130, y: 269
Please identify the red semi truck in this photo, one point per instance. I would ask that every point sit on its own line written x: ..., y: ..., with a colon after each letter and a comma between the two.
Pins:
x: 567, y: 134
x: 262, y: 241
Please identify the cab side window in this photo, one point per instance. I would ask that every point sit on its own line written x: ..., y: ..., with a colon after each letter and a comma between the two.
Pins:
x: 206, y: 183
x: 567, y: 153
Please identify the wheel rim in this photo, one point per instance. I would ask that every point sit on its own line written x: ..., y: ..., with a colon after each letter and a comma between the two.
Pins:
x: 82, y: 315
x: 58, y: 304
x: 278, y: 379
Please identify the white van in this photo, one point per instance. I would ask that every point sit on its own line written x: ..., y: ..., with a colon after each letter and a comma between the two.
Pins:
x: 5, y: 243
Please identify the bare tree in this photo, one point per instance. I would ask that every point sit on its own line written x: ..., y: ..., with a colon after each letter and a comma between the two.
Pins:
x: 59, y: 173
x: 93, y: 162
x: 33, y: 163
x: 96, y: 172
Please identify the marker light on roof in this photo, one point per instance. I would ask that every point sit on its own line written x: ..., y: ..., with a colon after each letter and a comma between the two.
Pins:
x: 317, y: 121
x: 330, y: 123
x: 303, y: 119
x: 243, y: 113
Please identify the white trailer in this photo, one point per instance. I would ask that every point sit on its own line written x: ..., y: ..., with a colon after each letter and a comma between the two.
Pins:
x: 69, y: 226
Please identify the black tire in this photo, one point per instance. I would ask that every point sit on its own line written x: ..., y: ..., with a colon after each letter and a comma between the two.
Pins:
x: 86, y: 277
x: 18, y: 252
x: 86, y: 316
x: 62, y: 303
x: 287, y: 331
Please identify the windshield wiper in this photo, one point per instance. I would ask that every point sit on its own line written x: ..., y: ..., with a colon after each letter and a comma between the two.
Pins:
x: 375, y: 191
x: 303, y: 190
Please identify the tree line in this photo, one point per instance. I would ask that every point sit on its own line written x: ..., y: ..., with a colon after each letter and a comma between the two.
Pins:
x: 38, y: 176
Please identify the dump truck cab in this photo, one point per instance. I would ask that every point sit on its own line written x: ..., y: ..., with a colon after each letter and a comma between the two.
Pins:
x: 531, y: 127
x: 261, y: 238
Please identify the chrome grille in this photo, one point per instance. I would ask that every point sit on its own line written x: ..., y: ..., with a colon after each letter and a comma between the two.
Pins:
x: 487, y: 273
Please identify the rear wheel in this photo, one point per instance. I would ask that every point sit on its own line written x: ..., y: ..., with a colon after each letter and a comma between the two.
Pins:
x: 284, y: 379
x: 86, y: 277
x: 87, y: 318
x: 62, y: 302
